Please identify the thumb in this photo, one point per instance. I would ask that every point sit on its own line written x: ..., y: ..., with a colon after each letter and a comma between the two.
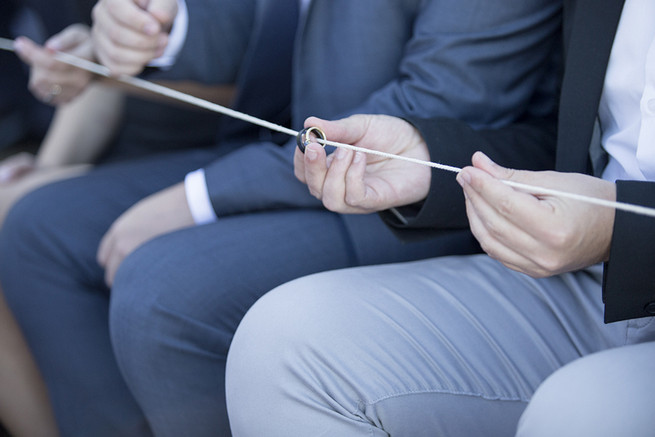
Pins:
x: 484, y: 163
x: 346, y: 130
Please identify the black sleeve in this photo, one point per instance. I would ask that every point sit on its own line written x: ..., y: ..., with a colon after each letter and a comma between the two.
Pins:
x: 528, y: 144
x: 629, y: 276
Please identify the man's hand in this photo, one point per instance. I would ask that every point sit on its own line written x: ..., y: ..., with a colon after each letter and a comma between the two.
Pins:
x: 127, y: 34
x: 540, y: 235
x: 359, y: 183
x: 51, y: 81
x: 155, y: 215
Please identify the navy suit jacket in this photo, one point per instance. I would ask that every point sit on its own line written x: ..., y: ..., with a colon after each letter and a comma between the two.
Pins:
x: 589, y: 28
x: 485, y: 63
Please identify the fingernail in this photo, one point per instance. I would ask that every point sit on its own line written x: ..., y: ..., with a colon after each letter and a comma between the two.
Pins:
x: 341, y: 153
x: 463, y: 178
x: 358, y: 156
x: 311, y: 154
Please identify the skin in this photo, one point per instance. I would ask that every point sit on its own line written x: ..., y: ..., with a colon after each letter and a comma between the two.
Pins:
x: 357, y: 183
x: 46, y: 72
x: 537, y: 235
x: 127, y: 34
x: 158, y: 214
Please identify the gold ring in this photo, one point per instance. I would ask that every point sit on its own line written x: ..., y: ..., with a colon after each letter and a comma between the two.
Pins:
x: 303, y: 139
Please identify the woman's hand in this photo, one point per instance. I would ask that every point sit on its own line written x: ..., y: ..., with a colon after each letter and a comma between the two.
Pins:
x: 51, y: 81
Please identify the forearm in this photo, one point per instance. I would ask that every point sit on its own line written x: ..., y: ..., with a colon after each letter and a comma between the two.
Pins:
x: 628, y: 290
x: 82, y: 128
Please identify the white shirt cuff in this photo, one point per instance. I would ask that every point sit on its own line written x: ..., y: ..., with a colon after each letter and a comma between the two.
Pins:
x: 197, y: 196
x: 175, y: 39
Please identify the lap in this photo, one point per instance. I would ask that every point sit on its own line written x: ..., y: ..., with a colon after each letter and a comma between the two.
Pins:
x: 65, y: 220
x: 377, y: 338
x: 214, y: 273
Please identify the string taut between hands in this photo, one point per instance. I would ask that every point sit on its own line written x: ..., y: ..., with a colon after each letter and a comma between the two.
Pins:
x: 101, y: 70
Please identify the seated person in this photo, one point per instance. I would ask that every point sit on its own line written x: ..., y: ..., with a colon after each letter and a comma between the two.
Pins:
x: 158, y: 261
x: 550, y: 334
x: 96, y: 122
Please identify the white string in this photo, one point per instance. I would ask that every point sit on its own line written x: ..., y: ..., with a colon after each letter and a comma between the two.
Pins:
x: 8, y: 44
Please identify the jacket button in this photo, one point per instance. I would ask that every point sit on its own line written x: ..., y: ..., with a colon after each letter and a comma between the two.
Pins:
x: 650, y: 308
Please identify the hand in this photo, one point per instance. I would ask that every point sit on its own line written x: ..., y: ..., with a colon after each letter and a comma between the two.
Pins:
x: 359, y: 183
x: 16, y: 166
x: 51, y: 81
x: 127, y: 34
x: 155, y: 215
x: 540, y: 235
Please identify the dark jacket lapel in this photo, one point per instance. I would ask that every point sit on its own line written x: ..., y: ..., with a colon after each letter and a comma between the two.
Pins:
x: 587, y: 50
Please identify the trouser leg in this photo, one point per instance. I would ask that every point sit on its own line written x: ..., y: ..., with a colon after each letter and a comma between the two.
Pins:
x: 55, y: 287
x: 178, y: 299
x: 451, y: 346
x: 607, y: 394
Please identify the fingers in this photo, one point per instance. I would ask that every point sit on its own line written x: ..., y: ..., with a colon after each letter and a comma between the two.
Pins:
x: 491, y: 230
x: 356, y: 189
x: 51, y: 81
x: 483, y: 162
x: 484, y: 184
x: 127, y: 37
x: 348, y: 130
x: 108, y: 257
x: 164, y: 11
x: 104, y: 249
x: 314, y: 168
x: 334, y: 186
x: 69, y: 38
x: 16, y: 166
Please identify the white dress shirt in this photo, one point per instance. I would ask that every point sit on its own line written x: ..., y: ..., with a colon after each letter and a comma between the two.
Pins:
x: 176, y: 38
x: 627, y: 107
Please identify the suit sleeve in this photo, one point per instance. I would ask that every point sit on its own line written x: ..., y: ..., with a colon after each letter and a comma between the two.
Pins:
x: 471, y: 63
x: 480, y: 62
x: 528, y: 144
x: 629, y: 277
x: 221, y: 28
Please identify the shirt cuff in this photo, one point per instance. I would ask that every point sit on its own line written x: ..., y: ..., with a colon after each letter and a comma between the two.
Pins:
x: 197, y: 196
x: 175, y: 39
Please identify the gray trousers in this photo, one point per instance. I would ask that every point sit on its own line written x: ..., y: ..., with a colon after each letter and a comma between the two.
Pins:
x: 454, y: 346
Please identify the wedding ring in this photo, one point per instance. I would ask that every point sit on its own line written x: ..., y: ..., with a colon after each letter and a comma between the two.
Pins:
x: 303, y: 139
x: 55, y: 90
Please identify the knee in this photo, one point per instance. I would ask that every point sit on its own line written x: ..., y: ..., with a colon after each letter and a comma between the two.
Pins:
x: 275, y: 353
x: 156, y: 310
x: 30, y: 238
x: 23, y: 220
x: 605, y: 394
